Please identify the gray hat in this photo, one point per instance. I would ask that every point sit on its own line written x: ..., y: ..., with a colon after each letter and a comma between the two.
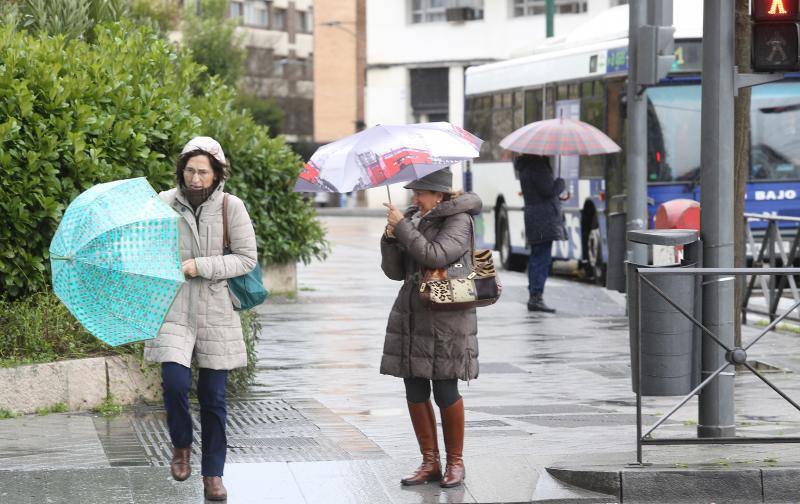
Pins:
x: 438, y: 181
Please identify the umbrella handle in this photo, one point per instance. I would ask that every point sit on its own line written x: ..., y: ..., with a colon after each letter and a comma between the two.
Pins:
x: 389, y: 193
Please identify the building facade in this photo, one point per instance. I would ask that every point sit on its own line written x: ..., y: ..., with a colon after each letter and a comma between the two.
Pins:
x: 278, y: 37
x: 418, y: 50
x: 339, y: 74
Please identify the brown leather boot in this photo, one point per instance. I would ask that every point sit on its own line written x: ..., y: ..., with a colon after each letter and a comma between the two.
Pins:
x: 213, y: 489
x: 424, y: 422
x: 453, y: 427
x: 180, y: 467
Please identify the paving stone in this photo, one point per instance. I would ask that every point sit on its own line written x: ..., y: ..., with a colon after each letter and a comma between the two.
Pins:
x: 691, y: 487
x: 347, y: 482
x: 781, y: 485
x: 390, y: 472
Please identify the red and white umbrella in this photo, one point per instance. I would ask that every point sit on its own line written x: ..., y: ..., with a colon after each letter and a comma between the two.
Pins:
x: 559, y: 137
x: 384, y: 155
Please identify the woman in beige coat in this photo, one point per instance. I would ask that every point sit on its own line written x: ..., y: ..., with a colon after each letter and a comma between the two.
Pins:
x: 201, y: 322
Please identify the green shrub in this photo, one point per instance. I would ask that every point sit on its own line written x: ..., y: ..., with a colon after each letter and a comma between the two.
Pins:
x: 239, y: 379
x: 54, y: 408
x: 213, y: 42
x: 265, y: 111
x: 109, y: 407
x: 38, y: 328
x: 74, y: 114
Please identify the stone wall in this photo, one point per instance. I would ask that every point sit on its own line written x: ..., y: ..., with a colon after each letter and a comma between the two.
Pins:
x: 81, y: 384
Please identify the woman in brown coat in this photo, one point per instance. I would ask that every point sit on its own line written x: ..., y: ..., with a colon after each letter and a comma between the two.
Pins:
x: 423, y: 346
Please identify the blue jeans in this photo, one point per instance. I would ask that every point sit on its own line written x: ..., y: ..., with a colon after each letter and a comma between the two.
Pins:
x: 539, y: 266
x: 211, y: 394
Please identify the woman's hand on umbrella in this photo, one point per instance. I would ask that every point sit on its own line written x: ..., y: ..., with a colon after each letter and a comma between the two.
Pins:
x: 393, y: 216
x: 189, y: 268
x: 389, y: 231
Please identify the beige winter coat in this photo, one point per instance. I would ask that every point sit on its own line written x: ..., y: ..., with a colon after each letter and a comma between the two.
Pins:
x: 201, y: 320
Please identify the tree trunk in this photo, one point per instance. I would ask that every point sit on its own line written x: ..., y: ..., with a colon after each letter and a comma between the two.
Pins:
x: 741, y: 154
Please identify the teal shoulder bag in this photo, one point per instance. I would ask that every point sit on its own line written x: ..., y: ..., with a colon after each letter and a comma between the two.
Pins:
x: 247, y: 288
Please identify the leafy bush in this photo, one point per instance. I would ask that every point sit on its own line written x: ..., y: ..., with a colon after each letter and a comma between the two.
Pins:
x: 38, y: 328
x: 74, y: 114
x: 70, y: 18
x: 213, y: 42
x: 265, y: 111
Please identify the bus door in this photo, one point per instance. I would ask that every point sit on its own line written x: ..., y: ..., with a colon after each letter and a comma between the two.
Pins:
x: 568, y: 168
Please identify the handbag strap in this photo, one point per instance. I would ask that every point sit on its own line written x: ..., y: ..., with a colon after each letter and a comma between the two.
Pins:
x: 226, y: 244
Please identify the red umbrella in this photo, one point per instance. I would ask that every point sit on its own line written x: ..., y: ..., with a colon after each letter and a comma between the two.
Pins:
x: 559, y: 137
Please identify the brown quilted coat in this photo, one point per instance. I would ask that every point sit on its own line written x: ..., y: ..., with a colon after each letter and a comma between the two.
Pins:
x: 420, y: 342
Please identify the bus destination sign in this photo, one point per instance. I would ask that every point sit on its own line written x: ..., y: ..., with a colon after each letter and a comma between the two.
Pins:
x: 688, y: 58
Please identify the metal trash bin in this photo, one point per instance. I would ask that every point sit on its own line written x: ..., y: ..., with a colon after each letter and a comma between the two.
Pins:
x: 671, y: 344
x: 615, y: 266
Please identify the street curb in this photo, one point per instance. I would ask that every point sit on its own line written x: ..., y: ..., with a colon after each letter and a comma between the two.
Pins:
x: 677, y: 486
x: 350, y: 212
x: 80, y: 384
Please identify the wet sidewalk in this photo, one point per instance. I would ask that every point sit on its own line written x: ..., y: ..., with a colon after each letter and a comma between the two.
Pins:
x: 322, y: 425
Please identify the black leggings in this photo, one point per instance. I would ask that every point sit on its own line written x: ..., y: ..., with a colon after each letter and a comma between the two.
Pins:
x: 445, y: 392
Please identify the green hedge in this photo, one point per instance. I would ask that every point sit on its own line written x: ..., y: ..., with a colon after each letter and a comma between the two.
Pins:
x: 38, y: 328
x: 74, y: 114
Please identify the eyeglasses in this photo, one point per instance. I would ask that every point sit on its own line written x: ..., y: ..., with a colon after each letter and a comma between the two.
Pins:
x: 191, y: 172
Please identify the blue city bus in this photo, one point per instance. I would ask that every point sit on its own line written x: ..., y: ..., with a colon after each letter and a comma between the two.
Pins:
x: 584, y: 76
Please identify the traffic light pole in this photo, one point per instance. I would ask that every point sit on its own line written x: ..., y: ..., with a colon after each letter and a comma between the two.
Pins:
x: 636, y: 148
x: 716, y: 411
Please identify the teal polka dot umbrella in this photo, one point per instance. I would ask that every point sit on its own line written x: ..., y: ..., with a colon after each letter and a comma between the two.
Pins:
x: 116, y: 262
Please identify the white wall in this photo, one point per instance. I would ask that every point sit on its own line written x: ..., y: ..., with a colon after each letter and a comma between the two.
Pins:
x: 395, y: 45
x: 392, y: 38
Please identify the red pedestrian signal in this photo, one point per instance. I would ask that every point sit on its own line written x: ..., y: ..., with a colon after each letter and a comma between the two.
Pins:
x: 776, y: 35
x: 775, y: 10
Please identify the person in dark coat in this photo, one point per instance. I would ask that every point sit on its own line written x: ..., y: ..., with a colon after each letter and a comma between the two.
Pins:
x: 431, y: 349
x: 544, y: 222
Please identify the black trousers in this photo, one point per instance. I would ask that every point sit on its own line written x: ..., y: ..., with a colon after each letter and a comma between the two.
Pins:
x: 445, y: 392
x: 176, y: 381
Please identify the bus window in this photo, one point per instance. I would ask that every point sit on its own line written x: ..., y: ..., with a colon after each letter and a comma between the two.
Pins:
x: 774, y: 129
x: 502, y: 124
x: 593, y: 111
x: 562, y: 92
x: 574, y: 91
x: 550, y: 103
x: 673, y: 135
x: 533, y: 105
x: 519, y: 110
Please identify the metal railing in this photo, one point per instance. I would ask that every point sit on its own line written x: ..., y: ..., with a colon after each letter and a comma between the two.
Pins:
x: 733, y: 356
x: 773, y: 249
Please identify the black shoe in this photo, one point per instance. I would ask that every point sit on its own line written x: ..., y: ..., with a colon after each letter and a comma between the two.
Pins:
x: 536, y: 303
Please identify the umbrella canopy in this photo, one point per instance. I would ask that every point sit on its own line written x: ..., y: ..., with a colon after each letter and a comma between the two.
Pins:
x: 559, y: 137
x: 384, y: 155
x: 115, y: 260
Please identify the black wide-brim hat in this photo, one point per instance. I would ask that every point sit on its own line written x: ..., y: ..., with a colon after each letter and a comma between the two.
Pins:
x: 438, y: 181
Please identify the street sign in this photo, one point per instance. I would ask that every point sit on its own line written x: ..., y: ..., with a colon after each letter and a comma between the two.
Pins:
x: 776, y: 35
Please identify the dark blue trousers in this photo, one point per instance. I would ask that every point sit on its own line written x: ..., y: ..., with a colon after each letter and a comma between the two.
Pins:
x: 211, y: 393
x: 539, y: 266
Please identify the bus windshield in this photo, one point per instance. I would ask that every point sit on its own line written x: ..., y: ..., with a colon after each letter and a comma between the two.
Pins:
x: 674, y: 132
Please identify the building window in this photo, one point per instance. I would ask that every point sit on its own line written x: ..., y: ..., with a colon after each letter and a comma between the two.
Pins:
x: 428, y: 11
x: 539, y: 7
x: 304, y: 21
x: 237, y: 9
x: 279, y: 19
x: 256, y: 13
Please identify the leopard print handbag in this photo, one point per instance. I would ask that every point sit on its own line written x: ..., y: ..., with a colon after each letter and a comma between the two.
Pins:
x: 445, y: 289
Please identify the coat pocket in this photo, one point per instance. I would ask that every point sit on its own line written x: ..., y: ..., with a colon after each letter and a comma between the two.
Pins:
x: 220, y: 307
